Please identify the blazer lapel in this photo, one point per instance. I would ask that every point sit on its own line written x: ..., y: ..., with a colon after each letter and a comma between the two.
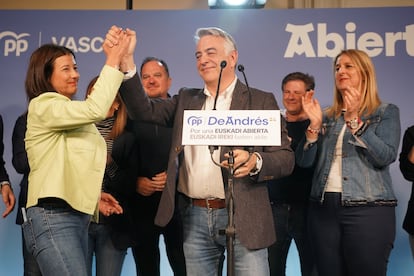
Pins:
x: 196, y: 102
x: 240, y: 97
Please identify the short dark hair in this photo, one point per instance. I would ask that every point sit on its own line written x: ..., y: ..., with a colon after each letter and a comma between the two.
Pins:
x: 306, y: 78
x: 40, y: 69
x: 148, y: 59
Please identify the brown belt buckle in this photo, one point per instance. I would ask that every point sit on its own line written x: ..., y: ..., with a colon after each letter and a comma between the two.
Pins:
x: 208, y: 203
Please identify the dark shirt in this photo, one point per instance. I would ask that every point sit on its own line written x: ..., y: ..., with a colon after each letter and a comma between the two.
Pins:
x: 154, y: 143
x: 407, y: 169
x: 296, y: 187
x: 153, y: 146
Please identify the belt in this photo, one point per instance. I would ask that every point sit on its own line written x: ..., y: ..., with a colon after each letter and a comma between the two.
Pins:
x: 52, y: 202
x: 215, y: 203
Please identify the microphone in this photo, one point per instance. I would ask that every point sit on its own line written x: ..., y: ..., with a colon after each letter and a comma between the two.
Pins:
x: 223, y: 64
x: 240, y: 67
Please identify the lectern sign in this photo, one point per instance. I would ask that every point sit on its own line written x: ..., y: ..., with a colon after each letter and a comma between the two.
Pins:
x: 231, y: 127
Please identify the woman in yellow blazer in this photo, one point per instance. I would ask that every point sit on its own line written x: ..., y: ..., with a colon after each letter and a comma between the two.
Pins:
x: 66, y: 154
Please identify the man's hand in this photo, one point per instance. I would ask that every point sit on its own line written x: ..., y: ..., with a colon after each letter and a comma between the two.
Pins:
x: 146, y: 186
x: 241, y: 158
x: 127, y: 61
x: 8, y: 199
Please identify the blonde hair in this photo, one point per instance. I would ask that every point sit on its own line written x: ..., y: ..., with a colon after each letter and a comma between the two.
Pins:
x: 369, y: 90
x: 121, y: 114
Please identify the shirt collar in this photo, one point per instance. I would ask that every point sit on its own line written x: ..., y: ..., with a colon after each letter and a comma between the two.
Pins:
x: 228, y: 92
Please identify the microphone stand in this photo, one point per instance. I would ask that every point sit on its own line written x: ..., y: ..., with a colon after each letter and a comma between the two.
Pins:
x: 230, y: 230
x: 223, y: 64
x: 240, y: 67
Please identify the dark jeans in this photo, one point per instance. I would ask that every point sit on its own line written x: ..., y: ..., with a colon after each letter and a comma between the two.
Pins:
x: 290, y: 224
x: 147, y: 254
x: 351, y: 241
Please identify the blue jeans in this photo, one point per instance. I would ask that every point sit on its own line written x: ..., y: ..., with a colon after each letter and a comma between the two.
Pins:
x: 351, y: 241
x: 204, y: 247
x: 290, y: 224
x: 31, y: 268
x: 108, y: 259
x: 57, y: 236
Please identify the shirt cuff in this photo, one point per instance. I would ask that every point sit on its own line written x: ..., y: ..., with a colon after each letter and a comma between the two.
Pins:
x: 130, y: 73
x: 309, y: 143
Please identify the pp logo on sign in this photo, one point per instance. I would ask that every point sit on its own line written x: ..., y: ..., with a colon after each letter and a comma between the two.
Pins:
x: 194, y: 121
x: 13, y: 43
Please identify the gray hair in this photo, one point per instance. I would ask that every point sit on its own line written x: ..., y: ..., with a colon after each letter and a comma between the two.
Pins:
x: 229, y: 44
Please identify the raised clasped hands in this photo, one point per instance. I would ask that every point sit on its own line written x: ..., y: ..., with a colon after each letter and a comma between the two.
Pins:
x: 125, y: 40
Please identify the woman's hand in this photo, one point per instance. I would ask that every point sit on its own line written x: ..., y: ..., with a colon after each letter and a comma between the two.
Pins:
x: 116, y: 45
x: 352, y: 103
x: 108, y: 205
x: 312, y: 109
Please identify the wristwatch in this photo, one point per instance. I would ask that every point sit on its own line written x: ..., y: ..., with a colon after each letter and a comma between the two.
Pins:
x: 354, y: 123
x: 259, y: 163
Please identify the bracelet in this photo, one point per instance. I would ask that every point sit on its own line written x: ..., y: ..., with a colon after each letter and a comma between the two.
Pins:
x: 353, y: 123
x: 313, y: 130
x: 4, y: 183
x: 361, y: 130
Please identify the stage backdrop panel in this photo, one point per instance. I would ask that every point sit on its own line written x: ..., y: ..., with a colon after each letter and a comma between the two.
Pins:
x: 271, y: 44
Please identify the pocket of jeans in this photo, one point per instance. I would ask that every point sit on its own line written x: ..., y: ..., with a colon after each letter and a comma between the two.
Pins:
x: 29, y: 236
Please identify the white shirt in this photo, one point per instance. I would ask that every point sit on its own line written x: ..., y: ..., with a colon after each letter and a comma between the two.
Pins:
x: 334, y: 183
x: 199, y: 177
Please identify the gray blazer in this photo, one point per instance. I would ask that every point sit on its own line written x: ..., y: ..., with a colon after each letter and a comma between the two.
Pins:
x: 252, y: 212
